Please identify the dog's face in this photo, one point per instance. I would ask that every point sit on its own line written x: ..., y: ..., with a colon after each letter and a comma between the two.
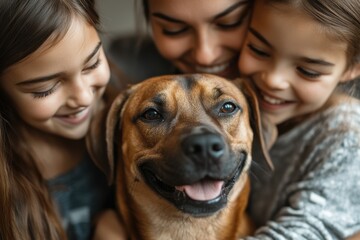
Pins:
x: 185, y: 138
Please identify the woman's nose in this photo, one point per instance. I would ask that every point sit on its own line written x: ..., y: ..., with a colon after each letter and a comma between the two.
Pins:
x: 206, y: 49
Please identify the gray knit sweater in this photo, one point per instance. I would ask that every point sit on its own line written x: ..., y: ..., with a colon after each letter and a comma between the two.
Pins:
x: 314, y: 192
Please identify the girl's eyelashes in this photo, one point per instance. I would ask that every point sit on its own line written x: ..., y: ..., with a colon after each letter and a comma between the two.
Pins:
x: 308, y: 73
x: 94, y: 66
x: 46, y: 93
x: 258, y: 52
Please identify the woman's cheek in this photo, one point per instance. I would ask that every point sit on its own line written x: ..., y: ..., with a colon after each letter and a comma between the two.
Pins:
x: 171, y: 49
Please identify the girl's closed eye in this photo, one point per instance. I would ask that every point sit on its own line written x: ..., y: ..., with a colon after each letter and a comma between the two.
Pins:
x: 45, y: 93
x: 93, y: 66
x: 257, y: 51
x: 308, y: 73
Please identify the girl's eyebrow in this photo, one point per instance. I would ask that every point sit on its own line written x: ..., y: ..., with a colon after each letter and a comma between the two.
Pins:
x: 39, y: 79
x: 305, y: 59
x: 92, y: 54
x: 260, y: 37
x: 56, y: 75
x: 219, y: 15
x: 316, y: 61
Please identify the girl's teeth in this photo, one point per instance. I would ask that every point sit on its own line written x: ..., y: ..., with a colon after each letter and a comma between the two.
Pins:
x: 215, y: 69
x: 77, y: 114
x: 272, y: 100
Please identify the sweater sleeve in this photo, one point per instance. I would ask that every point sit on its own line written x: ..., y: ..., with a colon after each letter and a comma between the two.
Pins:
x: 323, y: 202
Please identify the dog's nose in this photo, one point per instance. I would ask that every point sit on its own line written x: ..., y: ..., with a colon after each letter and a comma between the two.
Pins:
x: 204, y: 146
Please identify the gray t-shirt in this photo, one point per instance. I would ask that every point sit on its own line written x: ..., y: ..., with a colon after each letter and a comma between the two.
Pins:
x: 314, y: 192
x: 80, y: 194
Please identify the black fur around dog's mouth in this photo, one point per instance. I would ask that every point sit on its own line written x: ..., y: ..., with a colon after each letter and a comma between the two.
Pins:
x: 182, y: 201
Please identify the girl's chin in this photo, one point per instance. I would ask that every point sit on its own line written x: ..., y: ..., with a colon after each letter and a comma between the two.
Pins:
x: 273, y: 118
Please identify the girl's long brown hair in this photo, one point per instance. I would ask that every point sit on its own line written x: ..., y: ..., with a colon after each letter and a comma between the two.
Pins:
x: 26, y: 208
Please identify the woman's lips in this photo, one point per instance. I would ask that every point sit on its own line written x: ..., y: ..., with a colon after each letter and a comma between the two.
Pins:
x: 76, y: 117
x: 225, y: 69
x: 213, y: 69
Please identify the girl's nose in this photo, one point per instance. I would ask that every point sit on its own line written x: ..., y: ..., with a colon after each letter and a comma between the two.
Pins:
x: 80, y: 93
x: 276, y: 79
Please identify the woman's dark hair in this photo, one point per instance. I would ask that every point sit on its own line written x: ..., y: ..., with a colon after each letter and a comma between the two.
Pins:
x: 26, y: 208
x: 145, y: 6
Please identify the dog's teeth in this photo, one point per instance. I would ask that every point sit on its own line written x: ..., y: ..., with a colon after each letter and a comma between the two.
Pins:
x: 180, y: 195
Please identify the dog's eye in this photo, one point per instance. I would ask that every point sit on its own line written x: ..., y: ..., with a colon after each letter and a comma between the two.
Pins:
x: 151, y: 115
x: 228, y: 107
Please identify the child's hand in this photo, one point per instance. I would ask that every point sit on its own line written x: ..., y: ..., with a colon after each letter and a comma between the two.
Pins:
x: 108, y: 227
x: 355, y: 237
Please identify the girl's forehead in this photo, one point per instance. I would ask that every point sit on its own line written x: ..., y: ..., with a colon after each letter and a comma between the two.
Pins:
x: 65, y: 54
x: 293, y: 32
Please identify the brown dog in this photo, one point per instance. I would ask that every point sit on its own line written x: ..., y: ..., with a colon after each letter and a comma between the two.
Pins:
x: 182, y: 147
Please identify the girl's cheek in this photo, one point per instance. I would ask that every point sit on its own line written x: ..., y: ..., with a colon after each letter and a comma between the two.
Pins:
x: 36, y: 111
x: 104, y: 74
x: 247, y: 65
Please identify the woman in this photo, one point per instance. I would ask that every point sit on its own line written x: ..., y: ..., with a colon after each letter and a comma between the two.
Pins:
x: 187, y: 37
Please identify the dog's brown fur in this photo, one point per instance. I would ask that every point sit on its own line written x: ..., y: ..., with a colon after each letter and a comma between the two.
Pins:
x: 186, y: 105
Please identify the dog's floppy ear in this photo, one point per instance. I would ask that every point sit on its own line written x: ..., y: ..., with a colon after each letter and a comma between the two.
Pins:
x: 264, y: 132
x: 95, y: 138
x: 113, y: 129
x: 100, y: 139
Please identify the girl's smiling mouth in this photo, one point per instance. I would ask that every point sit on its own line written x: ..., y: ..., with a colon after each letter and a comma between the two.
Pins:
x: 75, y: 117
x: 272, y: 100
x: 269, y: 102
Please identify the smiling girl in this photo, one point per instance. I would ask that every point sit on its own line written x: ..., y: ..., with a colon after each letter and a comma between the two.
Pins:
x: 53, y: 74
x: 300, y: 56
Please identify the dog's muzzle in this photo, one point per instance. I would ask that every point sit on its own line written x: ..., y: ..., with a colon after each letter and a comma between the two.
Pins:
x: 197, y: 175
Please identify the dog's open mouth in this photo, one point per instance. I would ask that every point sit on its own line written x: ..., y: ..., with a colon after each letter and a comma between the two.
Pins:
x: 204, y: 190
x: 199, y: 199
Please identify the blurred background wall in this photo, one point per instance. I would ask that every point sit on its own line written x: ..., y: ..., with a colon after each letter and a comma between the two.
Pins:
x: 117, y: 17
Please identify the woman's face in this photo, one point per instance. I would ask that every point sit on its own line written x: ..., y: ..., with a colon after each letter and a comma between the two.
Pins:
x: 56, y: 89
x: 198, y: 35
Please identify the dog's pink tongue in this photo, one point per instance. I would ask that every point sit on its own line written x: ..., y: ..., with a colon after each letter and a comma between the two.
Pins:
x: 202, y: 191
